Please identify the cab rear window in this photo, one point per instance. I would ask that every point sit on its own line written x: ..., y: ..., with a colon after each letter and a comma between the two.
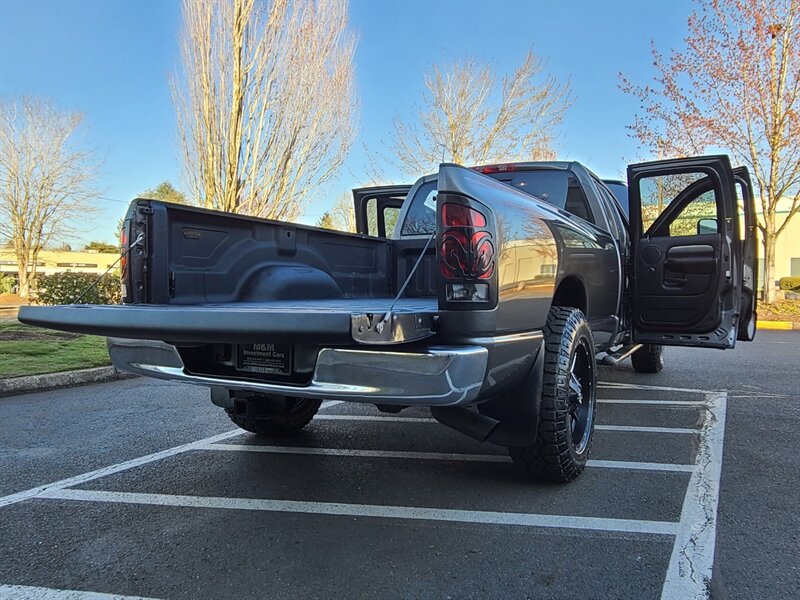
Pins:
x: 421, y: 215
x: 557, y: 187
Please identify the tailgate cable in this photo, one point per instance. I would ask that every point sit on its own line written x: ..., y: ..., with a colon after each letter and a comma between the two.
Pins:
x: 388, y: 315
x: 122, y: 255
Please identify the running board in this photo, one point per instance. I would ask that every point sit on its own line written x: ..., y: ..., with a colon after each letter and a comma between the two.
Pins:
x: 615, y: 358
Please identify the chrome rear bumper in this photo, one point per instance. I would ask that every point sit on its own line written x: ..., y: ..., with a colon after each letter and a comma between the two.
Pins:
x: 441, y: 376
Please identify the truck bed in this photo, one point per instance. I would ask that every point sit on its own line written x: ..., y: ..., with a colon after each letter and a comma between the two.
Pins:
x: 321, y: 320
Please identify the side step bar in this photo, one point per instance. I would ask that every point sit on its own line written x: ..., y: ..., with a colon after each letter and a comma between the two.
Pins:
x: 615, y: 358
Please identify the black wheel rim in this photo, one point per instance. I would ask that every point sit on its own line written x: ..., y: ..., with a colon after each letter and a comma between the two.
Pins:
x: 581, y: 395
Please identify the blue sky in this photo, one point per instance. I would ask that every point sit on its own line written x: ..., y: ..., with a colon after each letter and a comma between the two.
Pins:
x: 111, y: 59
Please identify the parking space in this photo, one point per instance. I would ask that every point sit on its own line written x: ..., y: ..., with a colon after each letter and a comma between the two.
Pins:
x: 364, y: 503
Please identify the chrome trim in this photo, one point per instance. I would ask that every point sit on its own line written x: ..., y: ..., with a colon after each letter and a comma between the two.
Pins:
x: 441, y: 376
x: 511, y: 338
x: 369, y: 328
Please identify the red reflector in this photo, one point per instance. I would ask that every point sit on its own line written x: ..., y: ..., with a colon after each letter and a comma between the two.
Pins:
x: 488, y: 169
x: 123, y: 246
x: 457, y: 215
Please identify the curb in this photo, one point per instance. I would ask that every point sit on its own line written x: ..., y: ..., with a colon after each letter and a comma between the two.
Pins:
x: 9, y: 312
x: 782, y: 325
x: 50, y: 381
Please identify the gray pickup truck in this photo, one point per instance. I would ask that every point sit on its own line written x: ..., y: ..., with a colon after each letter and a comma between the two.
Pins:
x: 487, y: 294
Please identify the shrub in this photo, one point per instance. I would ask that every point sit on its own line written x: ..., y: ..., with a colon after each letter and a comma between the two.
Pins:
x: 64, y: 288
x: 790, y: 283
x: 7, y: 284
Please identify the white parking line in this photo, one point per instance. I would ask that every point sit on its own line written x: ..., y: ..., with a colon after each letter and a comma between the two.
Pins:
x: 691, y: 564
x: 371, y: 510
x: 611, y: 385
x: 664, y: 403
x: 382, y: 419
x: 641, y: 466
x: 329, y: 403
x: 491, y: 458
x: 27, y: 592
x: 123, y: 466
x: 129, y: 464
x: 645, y: 429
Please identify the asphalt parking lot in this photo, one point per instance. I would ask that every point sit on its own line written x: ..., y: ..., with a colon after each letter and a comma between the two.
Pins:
x: 143, y: 488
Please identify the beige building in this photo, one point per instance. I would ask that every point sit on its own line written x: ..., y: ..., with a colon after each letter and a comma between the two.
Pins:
x: 787, y: 249
x: 58, y: 261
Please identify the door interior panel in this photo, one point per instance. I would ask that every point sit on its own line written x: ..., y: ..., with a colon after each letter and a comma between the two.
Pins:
x: 677, y: 281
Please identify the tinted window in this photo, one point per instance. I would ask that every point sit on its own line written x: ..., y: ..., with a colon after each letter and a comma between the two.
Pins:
x: 421, y: 216
x: 550, y: 186
x: 390, y: 214
x: 620, y: 191
x: 556, y: 187
x: 614, y: 218
x: 674, y: 204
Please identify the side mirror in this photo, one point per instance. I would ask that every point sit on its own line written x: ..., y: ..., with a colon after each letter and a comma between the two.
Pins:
x: 706, y: 226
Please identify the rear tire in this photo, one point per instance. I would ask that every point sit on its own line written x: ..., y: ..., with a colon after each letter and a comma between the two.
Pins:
x: 273, y: 416
x: 648, y: 359
x: 569, y: 389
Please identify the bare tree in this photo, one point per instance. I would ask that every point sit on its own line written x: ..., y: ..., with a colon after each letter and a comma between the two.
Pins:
x: 465, y: 118
x: 736, y: 86
x: 266, y: 104
x: 46, y: 179
x: 341, y: 216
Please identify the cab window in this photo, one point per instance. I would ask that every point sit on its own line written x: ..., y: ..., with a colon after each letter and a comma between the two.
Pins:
x: 678, y: 205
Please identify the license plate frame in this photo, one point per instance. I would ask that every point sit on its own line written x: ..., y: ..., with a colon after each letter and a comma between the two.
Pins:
x: 264, y: 359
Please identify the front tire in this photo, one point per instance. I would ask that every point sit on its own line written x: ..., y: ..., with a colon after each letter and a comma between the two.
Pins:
x: 569, y: 394
x: 273, y: 416
x: 648, y: 359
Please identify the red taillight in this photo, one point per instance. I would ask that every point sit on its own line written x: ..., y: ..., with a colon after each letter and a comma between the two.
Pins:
x: 466, y: 248
x: 483, y: 255
x: 457, y: 215
x: 123, y: 246
x: 489, y: 169
x: 453, y: 251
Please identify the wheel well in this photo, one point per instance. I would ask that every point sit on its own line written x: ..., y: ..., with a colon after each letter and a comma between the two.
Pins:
x: 570, y: 292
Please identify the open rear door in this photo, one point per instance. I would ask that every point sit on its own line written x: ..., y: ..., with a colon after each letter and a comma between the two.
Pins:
x: 747, y: 223
x: 377, y: 208
x: 686, y: 256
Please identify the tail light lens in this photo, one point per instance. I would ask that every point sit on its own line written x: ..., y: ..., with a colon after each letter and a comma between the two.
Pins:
x: 123, y: 261
x: 123, y: 247
x: 457, y: 215
x: 466, y: 253
x: 467, y: 258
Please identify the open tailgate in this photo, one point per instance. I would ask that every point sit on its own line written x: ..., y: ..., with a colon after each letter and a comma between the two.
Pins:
x: 340, y: 321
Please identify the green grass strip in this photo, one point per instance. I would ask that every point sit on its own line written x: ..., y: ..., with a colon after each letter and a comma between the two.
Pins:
x: 50, y: 353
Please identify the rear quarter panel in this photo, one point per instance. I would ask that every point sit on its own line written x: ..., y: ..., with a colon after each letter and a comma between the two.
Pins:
x: 538, y: 246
